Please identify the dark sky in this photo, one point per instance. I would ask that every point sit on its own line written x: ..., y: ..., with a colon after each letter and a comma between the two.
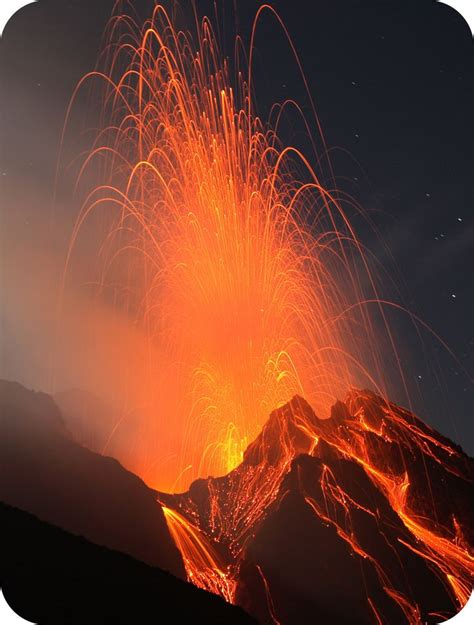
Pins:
x: 392, y: 82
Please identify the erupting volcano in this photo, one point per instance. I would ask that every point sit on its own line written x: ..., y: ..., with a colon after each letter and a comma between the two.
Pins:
x: 237, y: 258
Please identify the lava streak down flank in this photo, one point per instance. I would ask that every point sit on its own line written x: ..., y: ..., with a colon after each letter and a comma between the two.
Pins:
x: 365, y: 517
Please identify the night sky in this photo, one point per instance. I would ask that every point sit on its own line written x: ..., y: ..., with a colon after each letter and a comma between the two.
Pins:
x: 392, y: 83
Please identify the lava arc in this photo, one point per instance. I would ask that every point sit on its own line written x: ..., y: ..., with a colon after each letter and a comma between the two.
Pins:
x: 243, y: 269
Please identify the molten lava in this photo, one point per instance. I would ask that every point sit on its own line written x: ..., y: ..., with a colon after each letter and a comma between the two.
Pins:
x: 375, y: 483
x: 249, y: 282
x: 242, y: 269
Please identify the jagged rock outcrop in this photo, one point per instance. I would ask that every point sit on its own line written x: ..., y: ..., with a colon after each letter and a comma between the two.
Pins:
x: 363, y: 517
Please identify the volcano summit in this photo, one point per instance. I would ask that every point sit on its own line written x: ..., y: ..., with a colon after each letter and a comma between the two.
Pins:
x: 363, y: 517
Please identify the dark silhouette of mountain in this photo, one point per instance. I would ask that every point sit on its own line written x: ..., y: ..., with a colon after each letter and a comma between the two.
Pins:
x: 365, y: 517
x: 45, y: 472
x: 51, y: 577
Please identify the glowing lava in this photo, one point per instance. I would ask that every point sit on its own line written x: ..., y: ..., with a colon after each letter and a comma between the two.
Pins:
x: 357, y: 472
x: 243, y: 270
x: 247, y: 278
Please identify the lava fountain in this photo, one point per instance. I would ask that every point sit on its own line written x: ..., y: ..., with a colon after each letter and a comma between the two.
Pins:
x: 242, y: 268
x: 240, y: 263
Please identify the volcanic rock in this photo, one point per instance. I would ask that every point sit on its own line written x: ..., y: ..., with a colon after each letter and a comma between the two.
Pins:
x: 365, y: 517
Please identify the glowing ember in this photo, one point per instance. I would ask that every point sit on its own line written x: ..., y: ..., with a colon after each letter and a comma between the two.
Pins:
x: 243, y: 270
x: 329, y: 465
x: 249, y: 282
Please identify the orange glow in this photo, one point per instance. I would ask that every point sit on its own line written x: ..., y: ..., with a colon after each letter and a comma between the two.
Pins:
x: 202, y: 564
x: 247, y: 278
x: 454, y: 558
x: 241, y: 500
x: 239, y: 264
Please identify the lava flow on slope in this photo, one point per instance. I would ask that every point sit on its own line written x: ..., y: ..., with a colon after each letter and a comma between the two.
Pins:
x: 364, y: 517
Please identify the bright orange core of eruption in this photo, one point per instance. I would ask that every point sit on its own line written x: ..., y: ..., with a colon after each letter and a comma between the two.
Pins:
x: 239, y: 265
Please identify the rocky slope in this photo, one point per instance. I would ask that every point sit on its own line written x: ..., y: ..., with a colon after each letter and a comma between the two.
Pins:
x: 364, y: 517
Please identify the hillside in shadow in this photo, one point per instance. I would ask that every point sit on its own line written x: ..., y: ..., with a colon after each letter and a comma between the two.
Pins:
x: 51, y: 577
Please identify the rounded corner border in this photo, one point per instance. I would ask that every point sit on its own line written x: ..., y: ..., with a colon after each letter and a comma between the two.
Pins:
x: 9, y: 8
x: 8, y: 614
x: 464, y: 8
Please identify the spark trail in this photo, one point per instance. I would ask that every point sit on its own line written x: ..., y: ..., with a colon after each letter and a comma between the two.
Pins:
x: 234, y: 258
x: 365, y: 441
x: 248, y: 278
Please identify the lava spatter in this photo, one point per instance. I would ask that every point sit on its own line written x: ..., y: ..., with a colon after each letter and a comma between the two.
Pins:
x: 321, y: 507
